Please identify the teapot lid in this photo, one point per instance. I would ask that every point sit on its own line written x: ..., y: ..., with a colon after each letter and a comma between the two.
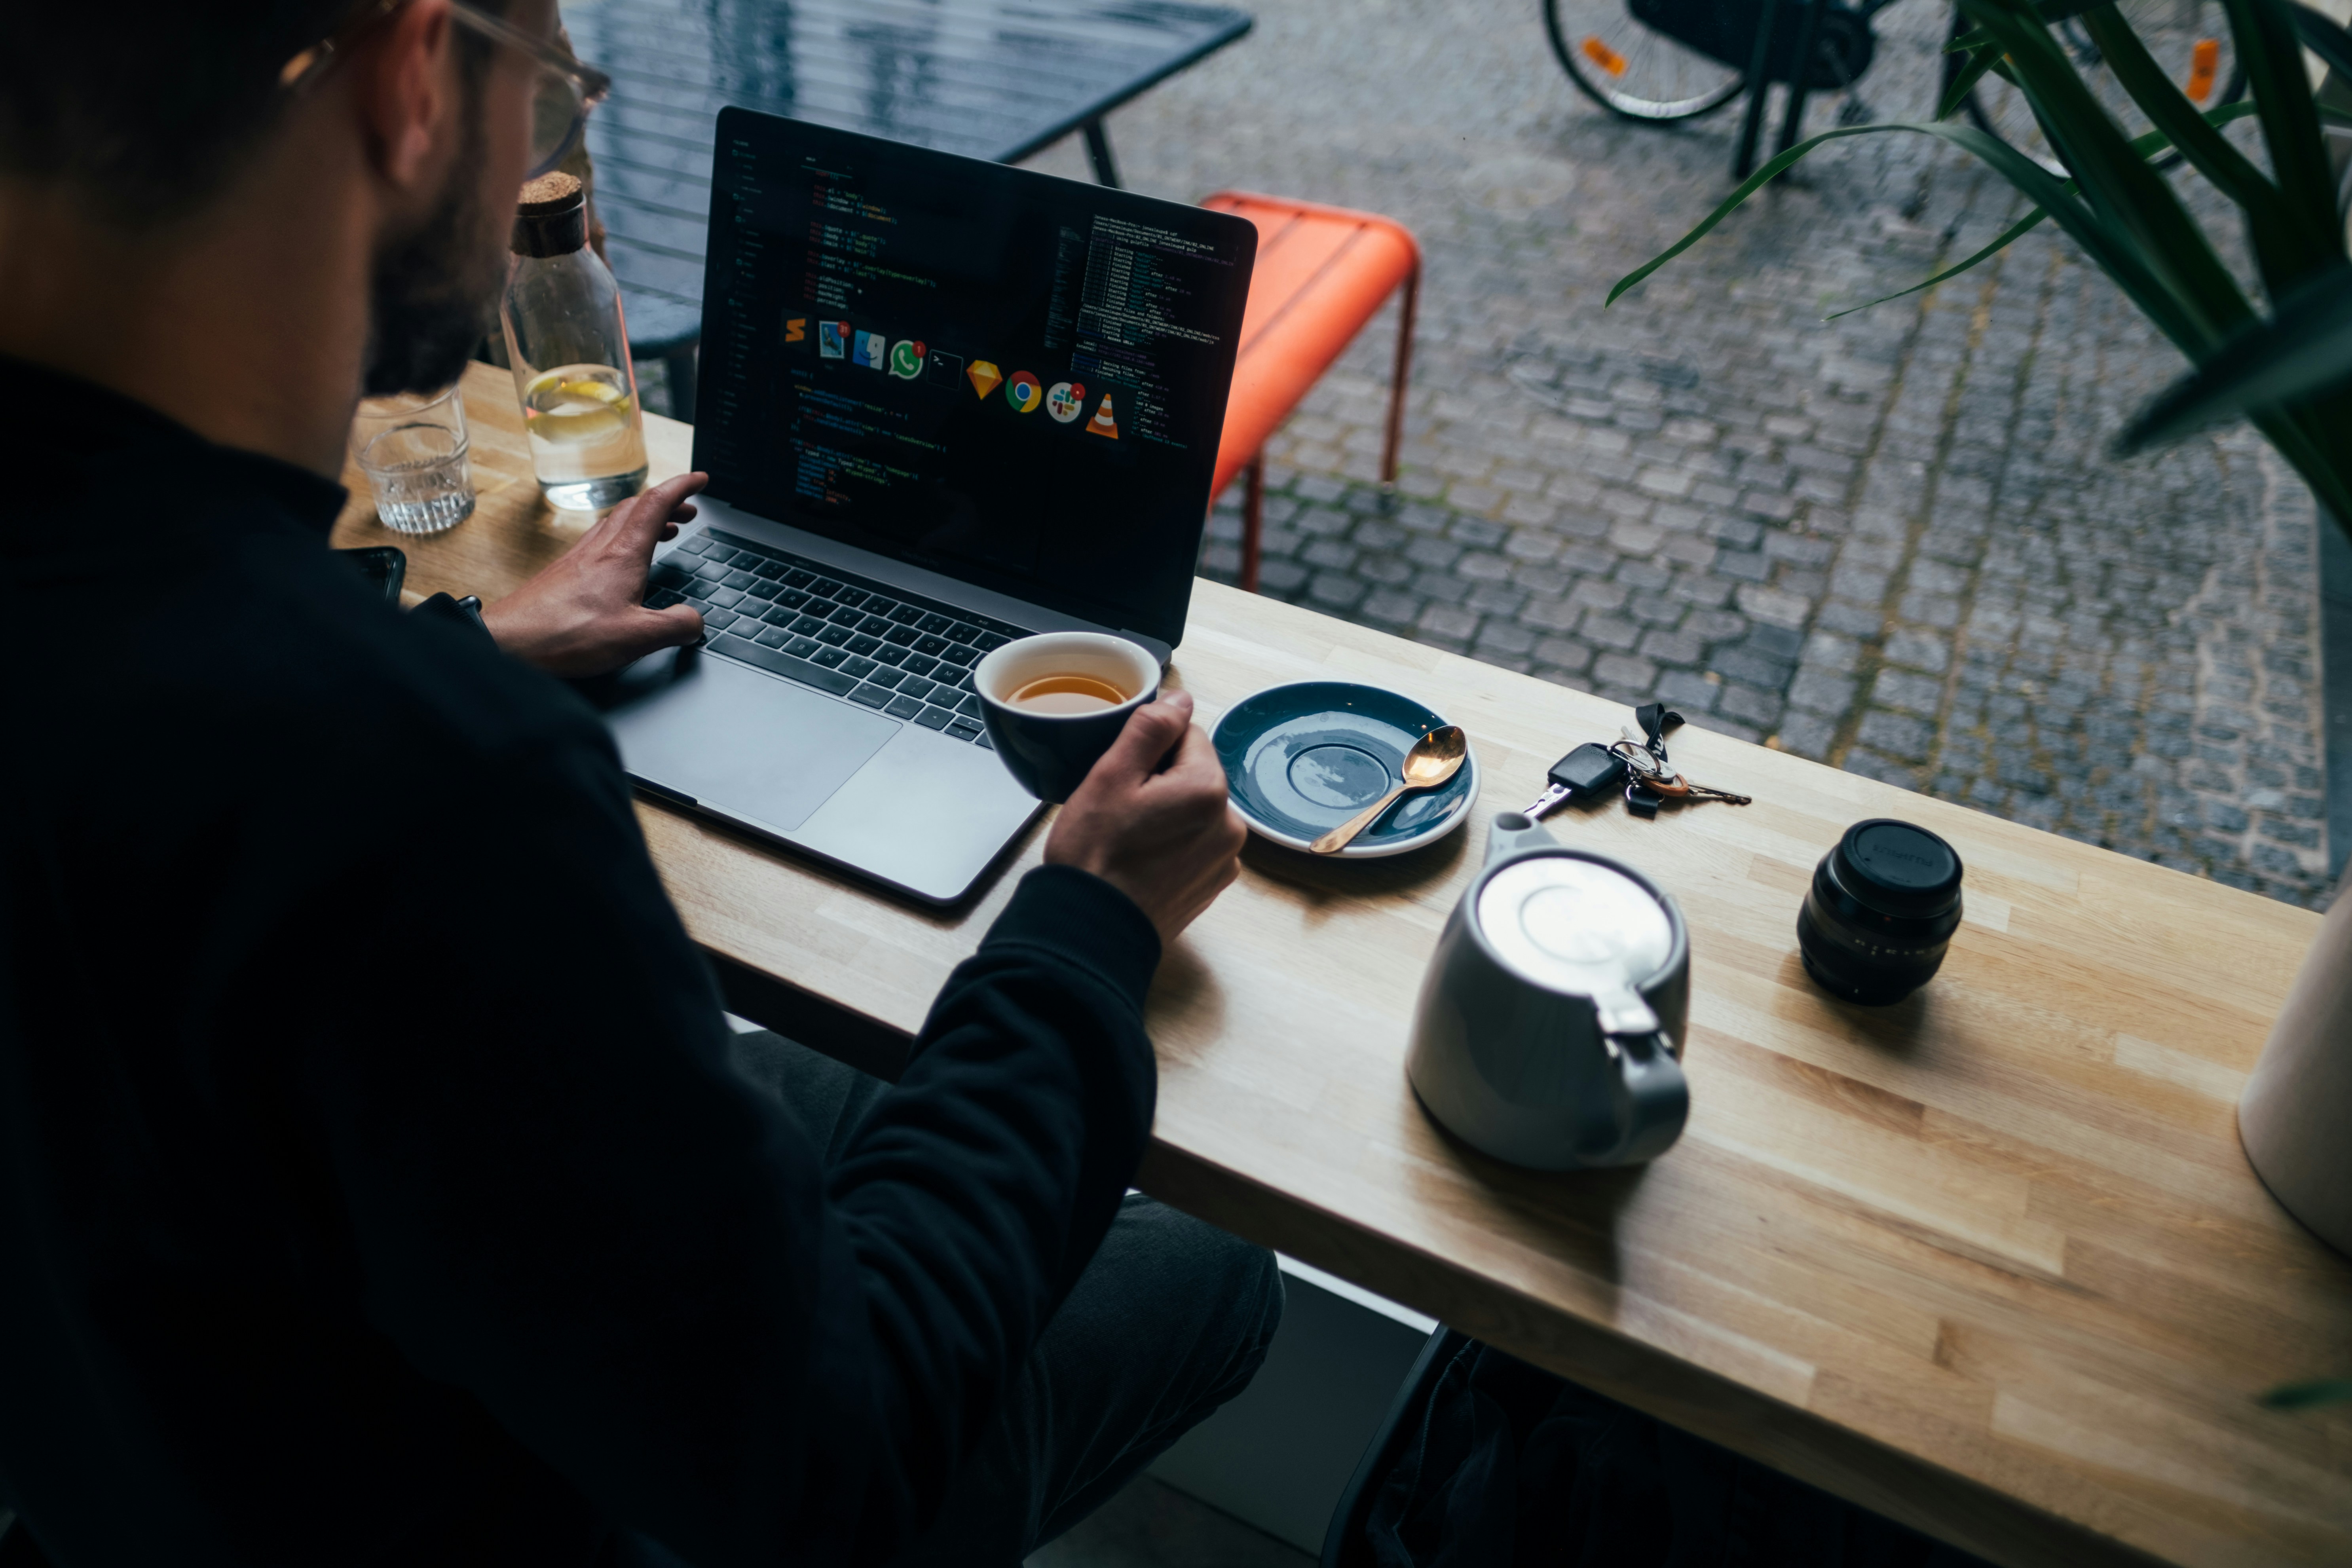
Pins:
x: 1574, y: 925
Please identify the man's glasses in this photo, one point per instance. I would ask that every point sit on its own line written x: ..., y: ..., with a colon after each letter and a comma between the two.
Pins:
x: 563, y: 92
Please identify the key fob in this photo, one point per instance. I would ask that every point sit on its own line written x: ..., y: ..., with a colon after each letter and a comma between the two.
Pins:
x: 1588, y: 770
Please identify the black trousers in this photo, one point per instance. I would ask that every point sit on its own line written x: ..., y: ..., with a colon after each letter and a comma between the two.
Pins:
x: 1168, y: 1322
x: 1508, y: 1466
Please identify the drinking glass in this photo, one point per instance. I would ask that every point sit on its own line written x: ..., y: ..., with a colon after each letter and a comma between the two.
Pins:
x: 413, y: 449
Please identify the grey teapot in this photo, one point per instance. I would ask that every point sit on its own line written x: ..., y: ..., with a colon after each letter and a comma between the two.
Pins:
x: 1550, y: 1024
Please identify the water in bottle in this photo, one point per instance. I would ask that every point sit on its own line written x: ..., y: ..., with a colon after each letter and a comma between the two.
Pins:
x: 570, y: 350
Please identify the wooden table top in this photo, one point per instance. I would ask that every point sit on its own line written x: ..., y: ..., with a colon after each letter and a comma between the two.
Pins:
x: 1990, y: 1261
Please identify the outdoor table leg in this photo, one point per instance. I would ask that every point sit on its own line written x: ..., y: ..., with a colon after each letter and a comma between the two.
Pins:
x: 1752, y: 124
x: 681, y: 363
x: 1099, y: 149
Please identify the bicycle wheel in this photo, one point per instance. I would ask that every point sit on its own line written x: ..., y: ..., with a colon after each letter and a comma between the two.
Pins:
x: 1631, y: 69
x: 2190, y: 41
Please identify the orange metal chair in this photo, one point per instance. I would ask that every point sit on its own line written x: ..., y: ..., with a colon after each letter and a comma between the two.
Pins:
x: 1322, y: 272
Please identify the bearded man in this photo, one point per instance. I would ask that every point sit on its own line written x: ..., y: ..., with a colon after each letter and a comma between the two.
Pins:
x: 380, y: 1181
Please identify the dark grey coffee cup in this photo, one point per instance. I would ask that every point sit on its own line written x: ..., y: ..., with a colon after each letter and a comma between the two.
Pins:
x: 1049, y: 755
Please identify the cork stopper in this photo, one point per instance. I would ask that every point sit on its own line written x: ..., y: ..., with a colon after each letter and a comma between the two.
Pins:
x: 548, y: 195
x: 551, y: 216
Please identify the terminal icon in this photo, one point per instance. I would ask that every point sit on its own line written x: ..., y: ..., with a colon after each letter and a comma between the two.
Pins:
x: 942, y: 369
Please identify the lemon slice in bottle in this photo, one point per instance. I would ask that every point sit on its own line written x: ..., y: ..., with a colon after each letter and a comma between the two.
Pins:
x: 569, y: 410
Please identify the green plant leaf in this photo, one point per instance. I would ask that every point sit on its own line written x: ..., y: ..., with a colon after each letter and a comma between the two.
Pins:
x: 1999, y: 242
x: 2129, y: 221
x: 2140, y: 209
x: 1730, y: 204
x: 2304, y: 1395
x: 2264, y: 32
x: 2050, y: 10
x: 2287, y: 244
x: 2148, y: 145
x: 2108, y: 250
x: 2169, y: 110
x: 2323, y: 37
x: 2304, y: 350
x: 2305, y: 441
x: 1965, y: 82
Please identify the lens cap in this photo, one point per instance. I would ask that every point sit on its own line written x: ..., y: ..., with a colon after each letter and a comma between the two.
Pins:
x: 1898, y: 870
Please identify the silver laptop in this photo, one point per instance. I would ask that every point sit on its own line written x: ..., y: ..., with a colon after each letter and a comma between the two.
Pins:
x: 943, y: 404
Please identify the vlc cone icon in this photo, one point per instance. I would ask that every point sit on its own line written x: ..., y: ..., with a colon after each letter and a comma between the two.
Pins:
x: 1102, y: 424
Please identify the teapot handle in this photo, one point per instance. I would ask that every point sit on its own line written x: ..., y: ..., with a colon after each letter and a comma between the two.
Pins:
x: 1514, y: 831
x: 1649, y: 1098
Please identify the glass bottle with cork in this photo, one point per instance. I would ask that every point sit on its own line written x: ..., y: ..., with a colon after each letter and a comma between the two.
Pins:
x: 569, y: 350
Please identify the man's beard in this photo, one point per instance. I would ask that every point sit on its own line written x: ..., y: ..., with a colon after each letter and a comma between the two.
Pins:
x: 434, y: 290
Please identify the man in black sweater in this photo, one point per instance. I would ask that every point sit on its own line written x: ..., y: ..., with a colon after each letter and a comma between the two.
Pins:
x: 380, y: 1181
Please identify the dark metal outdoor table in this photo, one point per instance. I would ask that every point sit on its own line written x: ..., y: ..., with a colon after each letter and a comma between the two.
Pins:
x: 988, y: 79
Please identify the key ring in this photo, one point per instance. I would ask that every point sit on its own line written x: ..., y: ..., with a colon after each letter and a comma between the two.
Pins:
x: 1647, y: 759
x: 1651, y: 780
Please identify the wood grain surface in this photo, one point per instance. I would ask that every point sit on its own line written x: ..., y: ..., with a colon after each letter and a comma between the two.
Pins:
x: 1990, y: 1261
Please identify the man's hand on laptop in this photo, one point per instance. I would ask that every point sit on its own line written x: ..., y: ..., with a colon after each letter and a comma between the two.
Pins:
x: 585, y: 615
x: 1165, y: 837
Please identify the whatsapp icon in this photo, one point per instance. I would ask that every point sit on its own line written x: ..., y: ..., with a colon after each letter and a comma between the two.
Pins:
x: 906, y: 359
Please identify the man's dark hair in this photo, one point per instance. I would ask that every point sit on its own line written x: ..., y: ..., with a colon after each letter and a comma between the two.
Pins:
x: 148, y: 108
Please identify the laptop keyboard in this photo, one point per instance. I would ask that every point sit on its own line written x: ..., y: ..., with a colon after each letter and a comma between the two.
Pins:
x: 857, y: 639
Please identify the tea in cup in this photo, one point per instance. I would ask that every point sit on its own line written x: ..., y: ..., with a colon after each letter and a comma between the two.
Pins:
x: 1067, y: 694
x: 1054, y: 703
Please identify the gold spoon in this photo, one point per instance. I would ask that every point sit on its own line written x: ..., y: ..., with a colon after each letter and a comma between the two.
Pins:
x: 1435, y: 758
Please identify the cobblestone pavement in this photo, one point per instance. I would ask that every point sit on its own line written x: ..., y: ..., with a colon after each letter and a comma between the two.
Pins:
x: 1892, y: 542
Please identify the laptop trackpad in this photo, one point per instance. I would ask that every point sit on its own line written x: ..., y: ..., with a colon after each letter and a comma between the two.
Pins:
x: 739, y: 741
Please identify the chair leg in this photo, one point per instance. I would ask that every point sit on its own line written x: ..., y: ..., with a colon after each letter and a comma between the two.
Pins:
x: 1253, y: 519
x: 1405, y: 315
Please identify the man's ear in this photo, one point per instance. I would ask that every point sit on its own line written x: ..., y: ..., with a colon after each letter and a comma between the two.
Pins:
x: 403, y: 84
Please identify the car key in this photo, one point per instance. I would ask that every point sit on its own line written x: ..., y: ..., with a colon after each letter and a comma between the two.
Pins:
x: 1588, y: 770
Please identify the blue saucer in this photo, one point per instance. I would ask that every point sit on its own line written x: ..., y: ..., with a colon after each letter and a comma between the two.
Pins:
x: 1302, y: 759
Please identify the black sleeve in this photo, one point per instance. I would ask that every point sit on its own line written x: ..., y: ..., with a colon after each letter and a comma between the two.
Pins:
x: 441, y: 608
x: 564, y: 1201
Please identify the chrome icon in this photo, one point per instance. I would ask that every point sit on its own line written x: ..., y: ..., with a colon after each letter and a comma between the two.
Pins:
x: 1023, y: 393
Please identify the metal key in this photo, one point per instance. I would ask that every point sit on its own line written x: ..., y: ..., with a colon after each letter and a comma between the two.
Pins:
x: 1588, y: 770
x: 1640, y: 762
x: 1683, y: 789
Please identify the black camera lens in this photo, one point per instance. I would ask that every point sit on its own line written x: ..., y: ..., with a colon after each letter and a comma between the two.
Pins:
x: 1883, y: 908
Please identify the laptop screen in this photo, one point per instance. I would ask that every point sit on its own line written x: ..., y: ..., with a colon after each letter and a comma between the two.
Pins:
x: 1015, y: 380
